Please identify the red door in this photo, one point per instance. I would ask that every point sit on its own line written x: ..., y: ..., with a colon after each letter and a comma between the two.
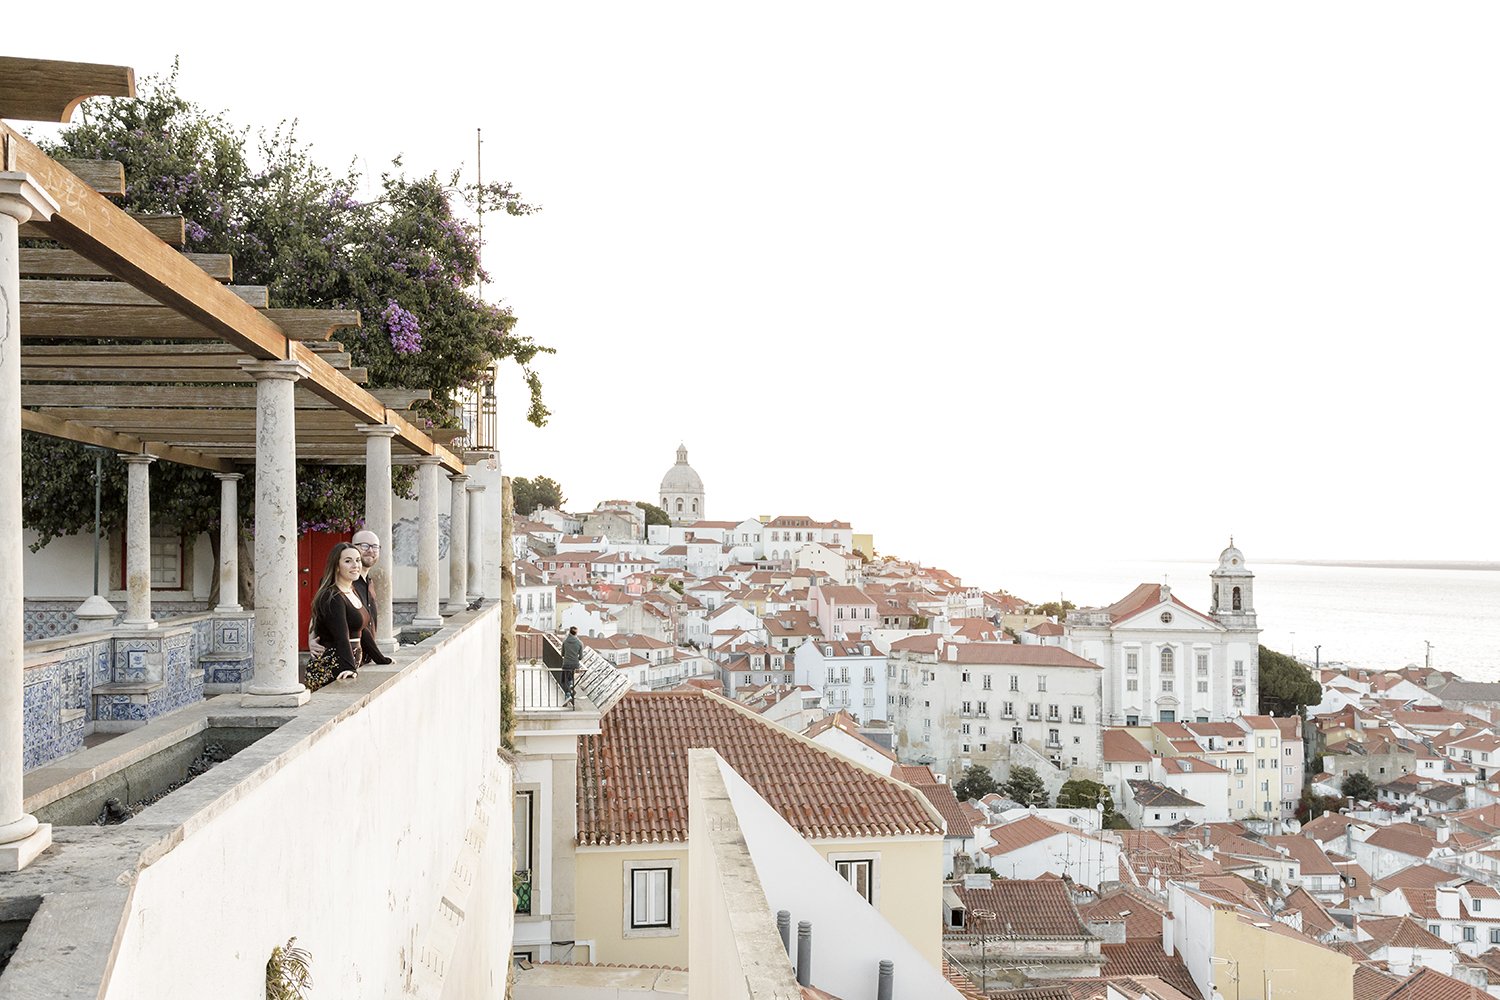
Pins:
x: 312, y: 555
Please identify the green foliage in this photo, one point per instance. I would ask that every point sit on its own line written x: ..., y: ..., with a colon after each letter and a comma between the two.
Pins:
x: 1358, y: 785
x: 403, y: 259
x: 288, y: 972
x: 1080, y: 793
x: 920, y: 621
x: 1286, y: 686
x: 532, y: 495
x: 1025, y: 787
x: 1053, y: 609
x: 1115, y: 821
x: 1311, y: 806
x: 976, y: 783
x: 654, y: 514
x: 675, y: 585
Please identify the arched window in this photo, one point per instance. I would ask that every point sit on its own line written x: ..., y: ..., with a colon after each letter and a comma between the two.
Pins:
x: 679, y: 505
x: 664, y: 503
x: 1235, y: 599
x: 695, y: 506
x: 1168, y: 660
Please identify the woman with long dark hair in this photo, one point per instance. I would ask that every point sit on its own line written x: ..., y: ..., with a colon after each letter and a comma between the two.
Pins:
x: 341, y: 622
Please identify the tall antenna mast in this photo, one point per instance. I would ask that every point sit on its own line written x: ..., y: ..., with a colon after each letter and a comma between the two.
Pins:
x: 479, y: 181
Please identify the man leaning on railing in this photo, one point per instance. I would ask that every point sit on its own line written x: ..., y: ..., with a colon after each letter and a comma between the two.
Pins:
x: 572, y: 650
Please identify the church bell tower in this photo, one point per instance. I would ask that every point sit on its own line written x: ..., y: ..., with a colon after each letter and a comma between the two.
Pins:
x: 1234, y: 590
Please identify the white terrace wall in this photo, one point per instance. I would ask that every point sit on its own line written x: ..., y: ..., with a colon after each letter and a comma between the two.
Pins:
x: 351, y: 840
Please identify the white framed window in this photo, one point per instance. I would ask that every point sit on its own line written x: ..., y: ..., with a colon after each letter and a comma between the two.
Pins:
x: 862, y: 871
x: 651, y: 898
x: 1203, y: 687
x: 1168, y: 659
x: 1132, y: 662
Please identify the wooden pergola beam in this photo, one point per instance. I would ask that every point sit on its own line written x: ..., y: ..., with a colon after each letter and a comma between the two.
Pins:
x: 186, y: 396
x: 42, y: 423
x: 196, y: 421
x: 172, y: 357
x: 48, y: 90
x: 114, y: 293
x: 162, y: 323
x: 156, y: 376
x: 170, y: 229
x: 44, y: 263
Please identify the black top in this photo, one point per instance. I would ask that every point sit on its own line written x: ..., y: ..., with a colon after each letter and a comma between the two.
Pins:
x: 336, y: 622
x: 362, y: 590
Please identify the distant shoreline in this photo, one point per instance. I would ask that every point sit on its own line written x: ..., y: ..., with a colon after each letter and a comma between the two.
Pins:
x: 1390, y: 563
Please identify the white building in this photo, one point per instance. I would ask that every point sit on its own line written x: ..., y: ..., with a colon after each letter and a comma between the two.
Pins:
x: 957, y: 704
x: 848, y: 674
x: 1032, y: 847
x: 1166, y: 662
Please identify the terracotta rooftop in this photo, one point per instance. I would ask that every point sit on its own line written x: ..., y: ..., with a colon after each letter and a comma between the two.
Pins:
x: 1029, y: 909
x: 1139, y: 912
x: 1149, y: 793
x: 1399, y: 932
x: 633, y: 776
x: 1429, y: 984
x: 1404, y: 838
x: 1372, y: 984
x: 1308, y: 855
x: 1121, y: 746
x: 1415, y: 877
x: 1145, y: 958
x: 1028, y: 830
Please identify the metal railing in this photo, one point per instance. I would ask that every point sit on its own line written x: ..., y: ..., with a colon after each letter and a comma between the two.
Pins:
x: 474, y: 406
x: 539, y: 687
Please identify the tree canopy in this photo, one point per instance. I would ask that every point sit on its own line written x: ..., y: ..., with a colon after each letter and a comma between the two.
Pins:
x: 1359, y: 785
x: 530, y: 495
x: 1025, y: 787
x: 976, y: 783
x: 1286, y: 686
x: 1080, y: 793
x: 400, y: 254
x: 654, y: 514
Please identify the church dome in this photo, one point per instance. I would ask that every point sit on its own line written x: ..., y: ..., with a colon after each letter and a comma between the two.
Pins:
x: 681, y: 478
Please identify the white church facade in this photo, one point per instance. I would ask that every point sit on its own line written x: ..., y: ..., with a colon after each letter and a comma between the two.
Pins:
x: 1165, y: 661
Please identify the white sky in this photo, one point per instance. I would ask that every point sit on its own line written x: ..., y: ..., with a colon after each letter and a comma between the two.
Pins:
x: 1007, y: 285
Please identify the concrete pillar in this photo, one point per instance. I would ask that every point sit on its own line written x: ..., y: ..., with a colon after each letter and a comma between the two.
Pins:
x: 275, y: 682
x: 378, y: 519
x: 138, y: 541
x: 21, y: 837
x: 458, y: 545
x: 229, y: 541
x: 429, y: 484
x: 476, y: 543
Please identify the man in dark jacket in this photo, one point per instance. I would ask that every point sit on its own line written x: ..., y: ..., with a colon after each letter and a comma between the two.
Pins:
x: 572, y: 651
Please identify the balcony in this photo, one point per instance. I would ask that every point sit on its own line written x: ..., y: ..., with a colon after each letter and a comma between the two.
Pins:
x: 539, y: 685
x: 1054, y: 744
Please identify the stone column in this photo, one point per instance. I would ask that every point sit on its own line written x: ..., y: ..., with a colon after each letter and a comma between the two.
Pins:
x: 275, y: 682
x: 378, y: 504
x: 429, y: 483
x: 229, y: 542
x: 458, y: 545
x: 21, y: 837
x: 138, y: 541
x: 476, y: 541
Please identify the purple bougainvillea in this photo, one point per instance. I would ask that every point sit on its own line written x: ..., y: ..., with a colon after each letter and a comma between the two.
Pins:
x: 403, y: 328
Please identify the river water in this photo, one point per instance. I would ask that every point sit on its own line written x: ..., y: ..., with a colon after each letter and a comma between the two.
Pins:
x: 1362, y: 616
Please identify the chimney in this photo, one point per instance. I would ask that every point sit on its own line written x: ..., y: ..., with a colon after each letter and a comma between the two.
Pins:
x: 1349, y: 839
x: 952, y: 652
x: 1442, y: 831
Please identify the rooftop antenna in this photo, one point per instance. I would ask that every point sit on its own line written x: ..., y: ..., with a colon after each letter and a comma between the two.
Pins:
x: 1428, y: 660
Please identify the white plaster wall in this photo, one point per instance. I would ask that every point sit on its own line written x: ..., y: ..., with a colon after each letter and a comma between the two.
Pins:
x: 65, y: 568
x: 348, y: 842
x: 850, y: 937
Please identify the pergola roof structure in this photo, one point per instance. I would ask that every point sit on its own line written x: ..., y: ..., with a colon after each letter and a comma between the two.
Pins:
x: 123, y: 277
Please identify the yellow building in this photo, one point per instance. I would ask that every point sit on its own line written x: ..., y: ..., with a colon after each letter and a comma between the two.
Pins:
x: 632, y: 854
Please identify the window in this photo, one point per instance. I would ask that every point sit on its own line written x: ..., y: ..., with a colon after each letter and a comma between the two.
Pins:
x: 650, y: 897
x: 860, y: 873
x: 1168, y: 660
x: 521, y: 849
x: 965, y: 728
x: 983, y: 708
x: 1132, y: 662
x: 1132, y: 685
x: 1203, y: 687
x: 1077, y: 715
x: 1468, y: 932
x: 1202, y: 664
x: 1239, y: 668
x: 1166, y: 684
x: 1133, y: 720
x: 1009, y: 711
x: 985, y: 681
x: 1034, y: 712
x: 964, y: 677
x: 1041, y: 682
x: 1053, y: 713
x: 1434, y: 929
x: 1495, y: 935
x: 1054, y: 738
x: 966, y: 708
x: 1015, y: 683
